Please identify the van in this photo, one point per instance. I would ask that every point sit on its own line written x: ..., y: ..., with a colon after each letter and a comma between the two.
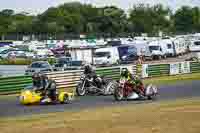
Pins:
x: 115, y: 55
x: 157, y: 50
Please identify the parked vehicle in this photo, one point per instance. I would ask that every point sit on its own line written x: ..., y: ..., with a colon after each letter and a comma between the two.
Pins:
x: 43, y: 52
x: 88, y: 86
x: 142, y: 49
x: 156, y: 50
x: 168, y: 47
x: 9, y: 53
x: 38, y: 66
x: 180, y: 46
x: 66, y: 63
x: 194, y: 46
x: 125, y: 91
x: 58, y: 51
x: 115, y: 55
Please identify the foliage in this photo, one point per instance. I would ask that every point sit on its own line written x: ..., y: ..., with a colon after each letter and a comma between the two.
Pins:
x: 77, y: 18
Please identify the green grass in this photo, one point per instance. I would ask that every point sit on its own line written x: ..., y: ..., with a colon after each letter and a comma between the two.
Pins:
x: 172, y: 79
x: 181, y: 116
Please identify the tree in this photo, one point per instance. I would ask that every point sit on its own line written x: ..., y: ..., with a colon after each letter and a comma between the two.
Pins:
x: 149, y: 19
x: 183, y: 20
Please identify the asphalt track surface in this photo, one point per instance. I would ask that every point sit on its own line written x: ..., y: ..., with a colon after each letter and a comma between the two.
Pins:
x: 181, y: 90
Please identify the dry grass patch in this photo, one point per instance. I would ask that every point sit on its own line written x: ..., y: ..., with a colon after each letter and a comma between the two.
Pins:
x: 166, y: 117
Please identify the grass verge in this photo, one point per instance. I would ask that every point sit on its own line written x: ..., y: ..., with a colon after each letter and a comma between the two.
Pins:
x: 181, y: 116
x: 172, y: 79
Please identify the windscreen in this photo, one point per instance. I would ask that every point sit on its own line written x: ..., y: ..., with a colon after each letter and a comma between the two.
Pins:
x: 101, y: 54
x: 151, y: 48
x: 197, y: 43
x: 127, y: 51
x: 39, y: 65
x: 63, y: 60
x: 169, y: 46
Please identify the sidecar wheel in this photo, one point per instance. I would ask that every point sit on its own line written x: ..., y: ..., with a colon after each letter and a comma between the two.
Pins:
x: 66, y: 99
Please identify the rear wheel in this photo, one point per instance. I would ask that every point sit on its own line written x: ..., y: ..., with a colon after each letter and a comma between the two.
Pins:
x: 109, y: 88
x: 66, y: 99
x: 151, y: 92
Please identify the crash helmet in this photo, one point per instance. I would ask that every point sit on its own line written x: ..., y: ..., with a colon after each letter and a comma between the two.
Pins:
x: 124, y: 72
x: 36, y: 76
x: 87, y: 68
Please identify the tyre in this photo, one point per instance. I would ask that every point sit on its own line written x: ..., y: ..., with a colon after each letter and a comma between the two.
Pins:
x: 151, y: 91
x: 80, y: 91
x: 109, y: 88
x: 118, y: 94
x: 66, y: 99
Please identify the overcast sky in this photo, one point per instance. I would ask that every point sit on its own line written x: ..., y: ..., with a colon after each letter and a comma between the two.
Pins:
x: 38, y: 6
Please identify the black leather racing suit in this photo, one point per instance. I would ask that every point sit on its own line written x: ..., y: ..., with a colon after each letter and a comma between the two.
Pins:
x: 51, y: 89
x: 90, y: 73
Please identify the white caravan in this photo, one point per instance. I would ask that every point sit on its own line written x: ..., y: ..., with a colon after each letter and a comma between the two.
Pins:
x: 180, y: 46
x: 194, y: 46
x: 168, y: 47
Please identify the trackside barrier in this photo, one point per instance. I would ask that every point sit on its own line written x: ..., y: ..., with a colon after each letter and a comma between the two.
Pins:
x: 66, y: 79
x: 69, y: 79
x: 177, y: 68
x: 12, y: 85
x: 195, y: 67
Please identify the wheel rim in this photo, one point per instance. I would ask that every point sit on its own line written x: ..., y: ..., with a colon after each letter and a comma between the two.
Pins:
x: 119, y: 94
x: 81, y: 91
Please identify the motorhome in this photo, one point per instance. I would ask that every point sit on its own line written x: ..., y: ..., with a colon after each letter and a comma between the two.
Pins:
x: 157, y: 50
x: 115, y: 55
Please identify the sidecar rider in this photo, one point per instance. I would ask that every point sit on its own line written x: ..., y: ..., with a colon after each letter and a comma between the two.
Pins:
x: 91, y: 74
x: 134, y: 80
x: 50, y: 87
x: 45, y: 85
x: 37, y: 82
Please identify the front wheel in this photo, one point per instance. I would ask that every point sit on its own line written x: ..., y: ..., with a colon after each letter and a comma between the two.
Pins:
x: 80, y: 89
x: 118, y: 94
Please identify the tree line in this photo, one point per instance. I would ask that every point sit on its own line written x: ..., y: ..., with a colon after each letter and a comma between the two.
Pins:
x: 77, y: 18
